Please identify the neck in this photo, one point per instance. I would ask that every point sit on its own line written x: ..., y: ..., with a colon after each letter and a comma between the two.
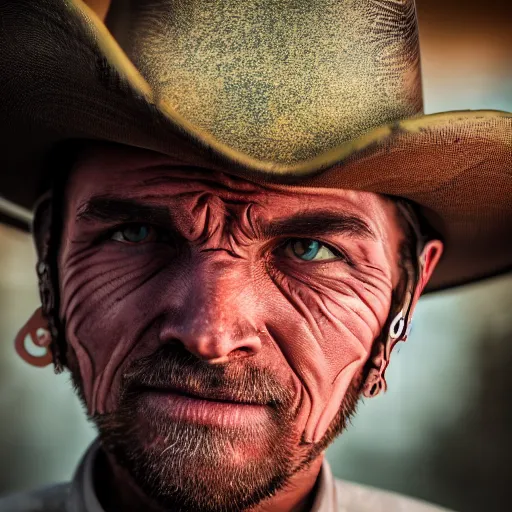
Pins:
x: 117, y: 491
x: 299, y: 493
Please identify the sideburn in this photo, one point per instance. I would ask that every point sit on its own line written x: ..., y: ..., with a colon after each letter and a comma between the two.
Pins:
x: 47, y: 229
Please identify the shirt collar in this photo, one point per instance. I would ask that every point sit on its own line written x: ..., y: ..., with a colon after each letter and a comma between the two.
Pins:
x: 82, y: 497
x: 326, y: 499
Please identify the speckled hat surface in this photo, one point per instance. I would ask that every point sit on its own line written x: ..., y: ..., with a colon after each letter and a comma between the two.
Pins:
x: 311, y: 92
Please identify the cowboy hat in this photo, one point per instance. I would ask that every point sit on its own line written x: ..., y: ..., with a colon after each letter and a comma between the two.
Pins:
x: 320, y: 93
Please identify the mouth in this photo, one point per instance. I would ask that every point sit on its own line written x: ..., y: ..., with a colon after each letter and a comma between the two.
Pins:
x: 205, y: 408
x: 211, y: 396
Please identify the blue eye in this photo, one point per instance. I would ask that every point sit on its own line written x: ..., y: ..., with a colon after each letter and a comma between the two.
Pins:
x: 309, y: 250
x: 305, y: 249
x: 134, y: 234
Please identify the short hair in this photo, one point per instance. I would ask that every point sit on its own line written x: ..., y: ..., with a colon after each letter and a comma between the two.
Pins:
x: 408, y: 248
x: 417, y: 232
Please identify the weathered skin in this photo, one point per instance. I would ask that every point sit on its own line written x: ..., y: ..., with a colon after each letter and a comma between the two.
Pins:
x: 216, y: 280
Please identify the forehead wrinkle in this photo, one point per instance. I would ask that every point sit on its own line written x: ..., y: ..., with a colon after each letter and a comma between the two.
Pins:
x: 169, y: 170
x: 201, y: 176
x: 142, y: 178
x: 170, y: 188
x: 346, y: 200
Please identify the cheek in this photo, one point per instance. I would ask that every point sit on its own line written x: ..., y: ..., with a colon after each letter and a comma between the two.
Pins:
x: 349, y: 315
x: 108, y: 304
x: 343, y: 312
x: 325, y: 325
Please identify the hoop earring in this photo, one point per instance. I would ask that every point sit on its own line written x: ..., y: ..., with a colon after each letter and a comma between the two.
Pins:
x: 37, y: 330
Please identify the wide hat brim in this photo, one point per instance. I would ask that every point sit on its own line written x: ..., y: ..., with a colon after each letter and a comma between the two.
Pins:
x: 63, y: 80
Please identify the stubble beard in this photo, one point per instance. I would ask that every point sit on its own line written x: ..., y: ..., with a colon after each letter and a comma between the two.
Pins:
x: 193, y: 467
x: 188, y: 467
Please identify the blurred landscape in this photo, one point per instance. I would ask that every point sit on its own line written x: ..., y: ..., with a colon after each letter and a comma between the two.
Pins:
x: 443, y: 430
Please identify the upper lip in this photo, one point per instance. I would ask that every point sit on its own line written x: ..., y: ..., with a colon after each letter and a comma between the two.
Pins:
x: 215, y: 396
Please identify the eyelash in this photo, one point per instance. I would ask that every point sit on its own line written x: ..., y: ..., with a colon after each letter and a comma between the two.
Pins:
x: 106, y: 235
x: 336, y: 251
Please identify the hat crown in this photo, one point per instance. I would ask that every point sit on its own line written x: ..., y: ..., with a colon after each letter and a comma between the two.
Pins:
x: 280, y: 80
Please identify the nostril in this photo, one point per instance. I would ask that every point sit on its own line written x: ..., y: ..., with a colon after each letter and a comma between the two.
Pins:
x: 173, y: 342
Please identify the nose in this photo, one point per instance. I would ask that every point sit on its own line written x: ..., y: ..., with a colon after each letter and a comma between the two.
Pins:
x: 216, y: 320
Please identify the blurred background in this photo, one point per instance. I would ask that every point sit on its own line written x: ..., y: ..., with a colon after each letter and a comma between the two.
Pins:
x: 443, y: 432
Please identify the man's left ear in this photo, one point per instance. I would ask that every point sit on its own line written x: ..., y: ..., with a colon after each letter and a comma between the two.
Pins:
x: 375, y: 380
x: 429, y: 259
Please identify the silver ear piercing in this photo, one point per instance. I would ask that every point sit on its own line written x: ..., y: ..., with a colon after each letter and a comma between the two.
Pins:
x: 397, y: 326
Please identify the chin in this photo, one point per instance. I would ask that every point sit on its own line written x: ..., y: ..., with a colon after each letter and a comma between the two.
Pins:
x: 186, y: 466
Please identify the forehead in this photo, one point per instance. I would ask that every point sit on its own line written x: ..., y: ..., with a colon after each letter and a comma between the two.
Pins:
x: 133, y: 173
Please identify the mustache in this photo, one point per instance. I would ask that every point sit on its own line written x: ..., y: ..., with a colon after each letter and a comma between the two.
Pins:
x: 173, y: 368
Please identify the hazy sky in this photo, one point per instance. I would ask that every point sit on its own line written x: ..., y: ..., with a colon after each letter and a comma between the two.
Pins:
x: 466, y: 54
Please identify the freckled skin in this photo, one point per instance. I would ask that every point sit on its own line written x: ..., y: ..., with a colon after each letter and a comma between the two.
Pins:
x: 221, y: 289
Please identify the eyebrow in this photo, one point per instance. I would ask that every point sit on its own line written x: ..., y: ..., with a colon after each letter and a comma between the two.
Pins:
x: 113, y: 209
x: 319, y: 223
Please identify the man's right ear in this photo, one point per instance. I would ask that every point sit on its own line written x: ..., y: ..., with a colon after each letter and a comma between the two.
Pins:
x: 37, y: 333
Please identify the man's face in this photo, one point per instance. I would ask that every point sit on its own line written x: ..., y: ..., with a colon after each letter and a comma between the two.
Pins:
x: 218, y: 328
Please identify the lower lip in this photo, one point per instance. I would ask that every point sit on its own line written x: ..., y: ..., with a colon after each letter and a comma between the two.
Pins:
x: 207, y: 412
